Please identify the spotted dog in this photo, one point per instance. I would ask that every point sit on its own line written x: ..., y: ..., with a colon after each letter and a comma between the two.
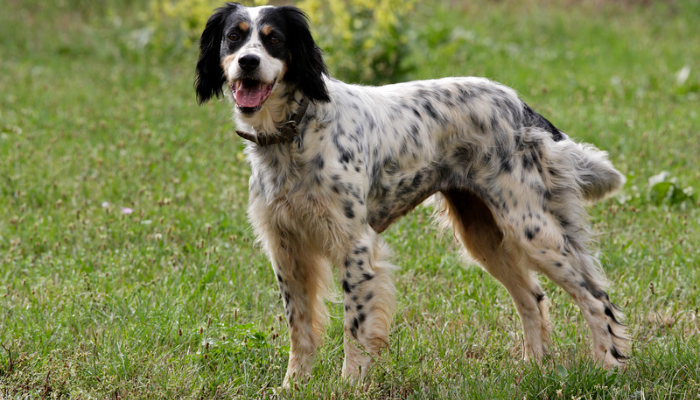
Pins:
x: 333, y: 165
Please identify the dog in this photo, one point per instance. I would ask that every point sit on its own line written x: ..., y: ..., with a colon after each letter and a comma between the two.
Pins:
x: 334, y: 164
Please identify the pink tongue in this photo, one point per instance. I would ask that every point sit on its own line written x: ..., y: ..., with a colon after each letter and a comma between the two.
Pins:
x: 249, y: 95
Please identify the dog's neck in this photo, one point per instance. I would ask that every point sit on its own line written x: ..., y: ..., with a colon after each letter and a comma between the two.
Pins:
x: 285, y: 133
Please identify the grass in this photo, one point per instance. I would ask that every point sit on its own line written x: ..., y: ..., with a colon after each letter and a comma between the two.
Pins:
x: 174, y: 300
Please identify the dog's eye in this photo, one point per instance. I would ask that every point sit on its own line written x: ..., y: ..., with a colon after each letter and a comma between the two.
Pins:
x: 234, y: 37
x: 273, y: 40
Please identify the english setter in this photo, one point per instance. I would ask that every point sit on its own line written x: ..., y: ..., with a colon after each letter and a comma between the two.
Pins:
x: 333, y: 165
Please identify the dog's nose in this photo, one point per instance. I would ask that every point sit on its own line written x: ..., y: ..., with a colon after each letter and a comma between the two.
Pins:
x: 249, y: 62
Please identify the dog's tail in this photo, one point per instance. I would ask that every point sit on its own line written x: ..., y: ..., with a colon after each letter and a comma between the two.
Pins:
x: 595, y: 174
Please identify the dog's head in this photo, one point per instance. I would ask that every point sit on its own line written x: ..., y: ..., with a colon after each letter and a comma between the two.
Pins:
x: 259, y: 52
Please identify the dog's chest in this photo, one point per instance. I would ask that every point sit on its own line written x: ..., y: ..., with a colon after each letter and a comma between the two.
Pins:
x: 278, y: 171
x: 297, y: 192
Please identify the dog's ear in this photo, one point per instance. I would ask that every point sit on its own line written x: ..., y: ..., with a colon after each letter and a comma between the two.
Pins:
x: 306, y: 68
x: 210, y: 75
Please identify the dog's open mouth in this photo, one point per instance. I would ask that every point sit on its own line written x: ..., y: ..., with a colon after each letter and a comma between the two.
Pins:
x: 250, y: 94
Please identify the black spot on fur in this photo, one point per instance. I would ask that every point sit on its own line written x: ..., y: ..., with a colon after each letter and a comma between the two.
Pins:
x: 531, y: 160
x: 415, y: 112
x: 478, y: 123
x: 539, y: 297
x: 494, y: 122
x: 346, y: 286
x: 596, y: 292
x: 506, y: 166
x: 616, y: 353
x: 349, y: 213
x: 430, y: 110
x: 415, y: 135
x: 371, y: 121
x: 611, y: 315
x: 367, y: 277
x: 345, y: 156
x: 531, y: 118
x: 417, y: 180
x: 360, y: 250
x: 362, y: 317
x: 529, y: 233
x: 610, y: 331
x: 317, y: 162
x: 404, y: 149
x: 403, y: 189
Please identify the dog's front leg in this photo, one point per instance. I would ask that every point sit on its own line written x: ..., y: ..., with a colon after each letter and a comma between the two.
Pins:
x: 303, y: 279
x: 369, y: 299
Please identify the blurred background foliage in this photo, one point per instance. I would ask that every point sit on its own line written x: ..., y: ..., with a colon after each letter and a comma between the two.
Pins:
x: 364, y: 40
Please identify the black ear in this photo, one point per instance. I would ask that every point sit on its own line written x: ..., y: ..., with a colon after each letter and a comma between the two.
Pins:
x: 210, y: 75
x: 306, y: 67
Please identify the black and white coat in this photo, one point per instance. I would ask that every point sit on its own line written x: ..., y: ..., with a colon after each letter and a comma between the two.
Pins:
x: 512, y: 186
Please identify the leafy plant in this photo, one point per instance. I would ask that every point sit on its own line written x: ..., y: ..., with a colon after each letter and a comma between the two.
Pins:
x: 365, y: 41
x: 665, y: 189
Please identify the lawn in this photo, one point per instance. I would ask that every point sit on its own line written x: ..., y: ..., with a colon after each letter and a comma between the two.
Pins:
x: 128, y: 269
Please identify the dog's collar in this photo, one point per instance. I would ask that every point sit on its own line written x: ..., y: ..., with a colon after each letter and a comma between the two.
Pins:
x: 286, y: 132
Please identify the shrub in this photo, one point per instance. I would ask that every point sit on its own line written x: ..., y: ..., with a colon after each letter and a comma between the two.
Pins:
x: 364, y: 40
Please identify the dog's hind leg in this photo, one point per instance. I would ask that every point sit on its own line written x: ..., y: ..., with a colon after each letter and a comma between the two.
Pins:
x: 570, y: 266
x: 476, y: 228
x: 303, y: 279
x: 369, y: 300
x: 548, y: 228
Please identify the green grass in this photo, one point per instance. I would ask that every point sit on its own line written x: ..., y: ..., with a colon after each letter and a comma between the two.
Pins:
x: 176, y: 301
